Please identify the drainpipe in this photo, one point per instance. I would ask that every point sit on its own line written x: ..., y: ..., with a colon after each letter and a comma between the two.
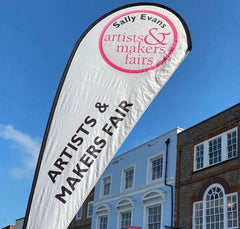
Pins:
x: 165, y: 180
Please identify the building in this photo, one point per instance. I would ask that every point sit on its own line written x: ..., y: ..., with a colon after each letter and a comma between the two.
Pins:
x: 138, y: 187
x: 83, y: 218
x: 9, y: 227
x: 208, y: 173
x: 19, y: 223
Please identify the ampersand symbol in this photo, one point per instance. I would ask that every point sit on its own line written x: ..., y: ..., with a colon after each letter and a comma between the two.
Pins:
x: 157, y: 41
x: 101, y: 107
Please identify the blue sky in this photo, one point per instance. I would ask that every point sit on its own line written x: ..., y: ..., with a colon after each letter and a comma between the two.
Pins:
x: 36, y: 40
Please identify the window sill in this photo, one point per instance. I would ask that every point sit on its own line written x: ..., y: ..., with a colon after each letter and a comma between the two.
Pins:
x: 217, y: 164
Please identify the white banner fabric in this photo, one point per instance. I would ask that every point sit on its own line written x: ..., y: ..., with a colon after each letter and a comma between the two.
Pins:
x: 116, y: 69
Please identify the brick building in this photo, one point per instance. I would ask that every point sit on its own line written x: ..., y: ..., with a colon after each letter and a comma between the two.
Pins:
x: 83, y: 218
x: 208, y: 173
x: 9, y: 227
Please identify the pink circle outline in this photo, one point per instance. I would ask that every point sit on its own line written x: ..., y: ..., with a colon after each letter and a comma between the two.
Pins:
x: 175, y: 35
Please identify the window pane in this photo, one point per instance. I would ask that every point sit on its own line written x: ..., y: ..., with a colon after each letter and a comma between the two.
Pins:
x: 232, y: 210
x: 232, y: 144
x: 103, y: 221
x: 199, y: 156
x: 154, y: 217
x: 198, y: 215
x: 129, y: 178
x: 106, y: 185
x: 90, y: 209
x: 157, y: 168
x: 125, y: 219
x: 79, y: 214
x: 214, y: 208
x: 215, y: 154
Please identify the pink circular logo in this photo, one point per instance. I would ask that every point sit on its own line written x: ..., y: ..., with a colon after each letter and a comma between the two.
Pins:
x: 138, y: 41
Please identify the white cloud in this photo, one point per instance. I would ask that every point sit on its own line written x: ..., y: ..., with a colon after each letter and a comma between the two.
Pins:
x: 28, y: 146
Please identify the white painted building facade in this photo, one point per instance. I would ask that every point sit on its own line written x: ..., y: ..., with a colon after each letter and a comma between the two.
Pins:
x: 138, y: 187
x: 19, y: 223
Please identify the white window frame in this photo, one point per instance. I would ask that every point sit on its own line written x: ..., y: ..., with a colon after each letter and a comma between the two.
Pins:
x: 199, y: 214
x: 224, y: 149
x: 99, y: 219
x: 151, y: 198
x: 125, y: 204
x: 102, y: 210
x: 215, y: 153
x: 79, y: 214
x: 225, y: 207
x: 123, y: 180
x: 230, y: 132
x: 147, y: 214
x: 236, y: 196
x: 149, y: 171
x: 120, y: 217
x: 103, y: 186
x: 90, y: 209
x: 197, y: 156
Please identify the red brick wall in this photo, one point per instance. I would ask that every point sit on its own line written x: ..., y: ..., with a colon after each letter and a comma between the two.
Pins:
x: 190, y: 185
